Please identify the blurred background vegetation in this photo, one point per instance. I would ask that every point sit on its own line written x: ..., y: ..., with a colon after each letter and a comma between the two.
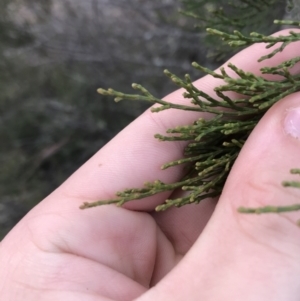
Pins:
x: 54, y: 54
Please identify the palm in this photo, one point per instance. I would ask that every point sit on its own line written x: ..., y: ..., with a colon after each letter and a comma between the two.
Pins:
x: 109, y: 252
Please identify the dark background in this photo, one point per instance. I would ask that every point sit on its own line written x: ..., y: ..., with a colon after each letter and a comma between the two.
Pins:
x: 54, y: 54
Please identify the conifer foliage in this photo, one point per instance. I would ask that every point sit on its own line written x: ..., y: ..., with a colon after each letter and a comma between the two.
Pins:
x: 214, y: 144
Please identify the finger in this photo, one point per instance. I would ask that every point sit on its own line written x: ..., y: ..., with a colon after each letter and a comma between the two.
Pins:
x: 134, y: 156
x: 249, y: 257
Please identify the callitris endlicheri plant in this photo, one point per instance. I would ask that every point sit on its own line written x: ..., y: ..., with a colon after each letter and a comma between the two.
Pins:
x: 214, y: 144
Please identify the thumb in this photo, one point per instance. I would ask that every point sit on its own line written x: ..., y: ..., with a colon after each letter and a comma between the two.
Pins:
x: 265, y: 249
x: 242, y: 256
x: 256, y: 180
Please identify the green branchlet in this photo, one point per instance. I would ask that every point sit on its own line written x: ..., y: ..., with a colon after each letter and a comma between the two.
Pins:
x: 278, y: 209
x: 242, y: 16
x: 214, y: 143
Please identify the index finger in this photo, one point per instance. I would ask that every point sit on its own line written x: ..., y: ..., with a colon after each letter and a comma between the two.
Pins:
x: 134, y: 156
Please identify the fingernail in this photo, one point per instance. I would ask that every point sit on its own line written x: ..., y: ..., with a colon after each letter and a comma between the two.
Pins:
x: 292, y: 122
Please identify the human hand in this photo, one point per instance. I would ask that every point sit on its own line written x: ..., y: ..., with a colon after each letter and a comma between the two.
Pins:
x: 197, y: 252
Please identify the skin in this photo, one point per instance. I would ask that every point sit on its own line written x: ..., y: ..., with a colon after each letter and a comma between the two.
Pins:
x: 198, y: 252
